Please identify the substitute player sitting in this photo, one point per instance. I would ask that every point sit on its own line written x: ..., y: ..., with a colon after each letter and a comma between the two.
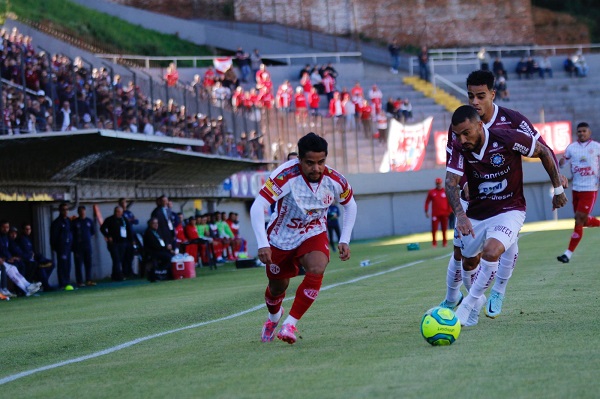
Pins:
x: 302, y: 191
x: 491, y: 160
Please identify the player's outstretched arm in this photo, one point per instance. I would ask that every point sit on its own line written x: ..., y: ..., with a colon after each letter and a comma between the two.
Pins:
x: 350, y: 210
x: 257, y: 218
x: 546, y: 155
x: 463, y: 224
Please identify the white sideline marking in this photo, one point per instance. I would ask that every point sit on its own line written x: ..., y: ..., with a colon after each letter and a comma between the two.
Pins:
x: 125, y: 345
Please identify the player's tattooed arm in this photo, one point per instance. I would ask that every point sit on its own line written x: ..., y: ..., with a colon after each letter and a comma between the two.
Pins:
x: 453, y: 193
x: 463, y: 224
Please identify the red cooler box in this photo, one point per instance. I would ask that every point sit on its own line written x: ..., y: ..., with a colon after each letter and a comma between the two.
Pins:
x: 183, y: 266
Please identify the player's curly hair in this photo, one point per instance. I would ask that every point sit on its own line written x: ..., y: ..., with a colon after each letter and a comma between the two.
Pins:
x: 311, y: 142
x: 480, y: 78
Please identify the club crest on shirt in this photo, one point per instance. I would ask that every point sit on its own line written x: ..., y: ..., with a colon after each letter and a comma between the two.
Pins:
x: 497, y: 160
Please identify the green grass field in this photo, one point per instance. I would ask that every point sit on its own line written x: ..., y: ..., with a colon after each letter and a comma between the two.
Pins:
x: 199, y: 338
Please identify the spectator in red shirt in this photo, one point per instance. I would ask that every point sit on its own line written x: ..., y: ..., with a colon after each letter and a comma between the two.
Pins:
x: 440, y: 210
x: 301, y: 109
x: 172, y: 75
x: 366, y: 117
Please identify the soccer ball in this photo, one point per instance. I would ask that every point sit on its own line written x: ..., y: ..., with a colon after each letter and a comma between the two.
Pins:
x: 440, y: 326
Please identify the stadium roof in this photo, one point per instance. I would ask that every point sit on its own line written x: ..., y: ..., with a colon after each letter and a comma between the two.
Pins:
x: 105, y: 164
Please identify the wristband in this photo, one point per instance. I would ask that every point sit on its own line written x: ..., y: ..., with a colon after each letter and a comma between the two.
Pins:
x: 558, y: 190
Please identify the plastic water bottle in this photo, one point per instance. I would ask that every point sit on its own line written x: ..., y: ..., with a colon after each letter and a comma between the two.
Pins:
x: 365, y: 262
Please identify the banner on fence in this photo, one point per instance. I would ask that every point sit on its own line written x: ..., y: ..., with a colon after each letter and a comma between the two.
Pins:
x: 246, y: 184
x: 222, y: 64
x: 406, y: 146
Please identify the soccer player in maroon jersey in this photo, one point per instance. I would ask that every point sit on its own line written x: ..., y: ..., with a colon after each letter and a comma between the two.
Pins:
x: 584, y: 157
x: 481, y: 94
x: 491, y: 160
x: 302, y: 190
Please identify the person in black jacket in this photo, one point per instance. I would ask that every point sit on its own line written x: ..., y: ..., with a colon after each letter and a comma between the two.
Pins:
x: 164, y: 215
x: 61, y: 240
x: 157, y: 252
x: 118, y: 235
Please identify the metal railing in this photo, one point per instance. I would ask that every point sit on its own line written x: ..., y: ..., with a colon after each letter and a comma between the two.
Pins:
x: 195, y: 61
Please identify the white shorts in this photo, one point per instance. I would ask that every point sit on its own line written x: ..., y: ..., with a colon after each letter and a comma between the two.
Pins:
x: 504, y: 227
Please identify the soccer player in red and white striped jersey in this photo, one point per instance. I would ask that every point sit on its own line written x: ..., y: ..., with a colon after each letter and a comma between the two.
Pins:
x: 302, y: 190
x: 584, y: 157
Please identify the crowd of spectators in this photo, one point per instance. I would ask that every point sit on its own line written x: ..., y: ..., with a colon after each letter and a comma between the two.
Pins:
x: 211, y: 238
x: 65, y: 94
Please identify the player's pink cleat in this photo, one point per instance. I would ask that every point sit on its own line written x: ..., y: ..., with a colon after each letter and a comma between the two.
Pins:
x: 268, y: 331
x: 287, y: 333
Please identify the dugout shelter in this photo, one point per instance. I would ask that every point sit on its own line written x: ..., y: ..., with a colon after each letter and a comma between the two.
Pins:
x: 39, y: 171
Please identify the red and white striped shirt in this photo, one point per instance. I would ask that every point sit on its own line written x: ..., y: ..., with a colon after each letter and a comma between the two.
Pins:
x: 301, y: 207
x: 585, y: 164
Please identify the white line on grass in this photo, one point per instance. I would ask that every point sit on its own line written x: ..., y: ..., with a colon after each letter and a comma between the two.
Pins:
x: 125, y: 345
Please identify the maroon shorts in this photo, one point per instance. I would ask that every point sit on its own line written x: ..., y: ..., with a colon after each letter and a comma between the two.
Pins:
x: 286, y: 264
x: 583, y: 201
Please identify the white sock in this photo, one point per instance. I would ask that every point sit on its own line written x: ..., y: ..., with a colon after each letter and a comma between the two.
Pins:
x: 568, y: 253
x: 275, y: 317
x: 453, y: 279
x: 486, y: 273
x: 290, y: 320
x: 505, y: 268
x: 468, y: 276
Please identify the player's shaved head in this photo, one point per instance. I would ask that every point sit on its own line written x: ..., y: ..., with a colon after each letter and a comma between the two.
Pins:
x: 463, y: 113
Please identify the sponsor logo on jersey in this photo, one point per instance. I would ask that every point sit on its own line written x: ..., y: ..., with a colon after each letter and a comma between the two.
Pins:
x: 495, y: 144
x: 525, y: 128
x: 286, y: 172
x: 303, y: 228
x: 504, y: 229
x: 461, y: 162
x: 311, y: 293
x: 346, y: 194
x: 274, y: 268
x: 492, y: 187
x: 495, y: 175
x: 583, y: 171
x: 521, y: 148
x: 272, y: 188
x: 497, y: 160
x: 282, y: 213
x: 503, y: 118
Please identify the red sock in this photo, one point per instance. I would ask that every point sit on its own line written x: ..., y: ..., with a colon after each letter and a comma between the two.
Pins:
x: 306, y: 294
x: 592, y: 222
x: 273, y: 302
x: 575, y: 238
